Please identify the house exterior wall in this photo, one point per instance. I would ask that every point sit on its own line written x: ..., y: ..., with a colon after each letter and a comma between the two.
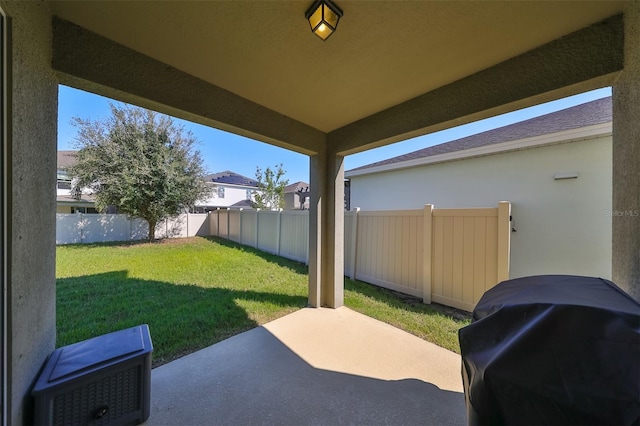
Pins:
x: 232, y: 194
x: 63, y: 191
x: 562, y: 226
x: 292, y: 202
x: 31, y: 287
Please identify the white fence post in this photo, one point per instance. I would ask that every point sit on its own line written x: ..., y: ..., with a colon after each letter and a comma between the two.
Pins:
x: 427, y: 235
x: 257, y: 225
x: 240, y: 225
x: 354, y: 242
x: 218, y: 222
x: 306, y: 254
x: 278, y: 231
x: 81, y: 227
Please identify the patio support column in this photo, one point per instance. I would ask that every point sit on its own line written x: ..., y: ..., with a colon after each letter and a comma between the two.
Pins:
x: 326, y: 230
x: 626, y: 158
x: 30, y: 282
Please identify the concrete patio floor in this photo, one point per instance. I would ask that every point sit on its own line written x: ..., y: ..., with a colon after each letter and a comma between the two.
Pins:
x: 312, y: 367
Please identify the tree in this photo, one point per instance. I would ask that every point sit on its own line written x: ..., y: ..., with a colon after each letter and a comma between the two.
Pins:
x: 139, y: 161
x: 270, y: 193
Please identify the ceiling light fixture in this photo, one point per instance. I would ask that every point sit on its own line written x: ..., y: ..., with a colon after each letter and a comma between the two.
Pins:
x: 323, y: 16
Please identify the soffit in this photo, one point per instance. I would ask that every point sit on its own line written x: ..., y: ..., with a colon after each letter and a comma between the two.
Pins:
x: 384, y: 52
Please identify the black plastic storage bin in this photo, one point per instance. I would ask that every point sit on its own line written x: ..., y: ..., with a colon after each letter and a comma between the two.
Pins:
x: 100, y: 381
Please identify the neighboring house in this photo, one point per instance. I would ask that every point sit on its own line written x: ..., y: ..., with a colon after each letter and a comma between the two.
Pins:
x: 555, y: 169
x: 229, y: 189
x: 65, y: 203
x: 296, y: 196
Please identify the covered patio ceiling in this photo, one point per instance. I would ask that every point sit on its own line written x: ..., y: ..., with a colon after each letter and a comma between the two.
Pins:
x: 403, y: 62
x: 393, y: 70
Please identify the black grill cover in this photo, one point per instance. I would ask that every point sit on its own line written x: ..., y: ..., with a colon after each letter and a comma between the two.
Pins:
x: 553, y: 349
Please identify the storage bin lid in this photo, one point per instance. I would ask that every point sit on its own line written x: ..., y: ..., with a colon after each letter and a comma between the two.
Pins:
x: 69, y: 361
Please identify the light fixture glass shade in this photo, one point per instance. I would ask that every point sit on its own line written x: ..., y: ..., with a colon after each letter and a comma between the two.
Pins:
x: 323, y: 16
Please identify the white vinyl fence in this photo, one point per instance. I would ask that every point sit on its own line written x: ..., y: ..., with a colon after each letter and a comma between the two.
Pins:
x: 283, y: 233
x: 78, y: 228
x: 449, y: 256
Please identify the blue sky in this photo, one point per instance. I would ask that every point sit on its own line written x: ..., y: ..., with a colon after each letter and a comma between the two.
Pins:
x: 226, y: 151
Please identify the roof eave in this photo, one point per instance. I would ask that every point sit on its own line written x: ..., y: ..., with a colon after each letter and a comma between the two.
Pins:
x: 572, y: 135
x: 234, y: 185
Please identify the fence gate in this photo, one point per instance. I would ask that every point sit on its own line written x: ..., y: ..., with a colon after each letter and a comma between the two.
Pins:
x: 448, y: 256
x: 469, y: 253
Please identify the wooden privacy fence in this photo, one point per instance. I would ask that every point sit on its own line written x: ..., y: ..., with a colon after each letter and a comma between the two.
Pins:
x: 449, y: 256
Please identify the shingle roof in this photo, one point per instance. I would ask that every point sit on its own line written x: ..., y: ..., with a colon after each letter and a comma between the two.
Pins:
x: 297, y: 186
x: 67, y: 158
x: 587, y: 114
x: 231, y: 178
x: 69, y: 199
x: 247, y: 204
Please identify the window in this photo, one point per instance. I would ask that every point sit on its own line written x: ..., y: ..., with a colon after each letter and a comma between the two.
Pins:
x: 85, y: 210
x: 221, y: 192
x: 249, y: 194
x: 62, y: 184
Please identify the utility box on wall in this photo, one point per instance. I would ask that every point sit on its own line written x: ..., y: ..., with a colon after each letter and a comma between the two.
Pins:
x: 100, y: 381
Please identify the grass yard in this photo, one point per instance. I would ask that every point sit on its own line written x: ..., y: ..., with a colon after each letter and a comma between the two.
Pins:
x: 197, y: 291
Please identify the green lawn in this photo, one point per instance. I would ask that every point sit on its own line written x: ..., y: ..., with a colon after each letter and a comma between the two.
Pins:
x: 197, y: 291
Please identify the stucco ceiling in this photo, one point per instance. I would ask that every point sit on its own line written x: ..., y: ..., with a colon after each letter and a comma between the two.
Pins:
x: 383, y: 53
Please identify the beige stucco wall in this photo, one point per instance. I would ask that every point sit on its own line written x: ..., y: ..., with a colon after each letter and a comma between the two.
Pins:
x: 626, y: 158
x: 31, y: 295
x: 563, y: 226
